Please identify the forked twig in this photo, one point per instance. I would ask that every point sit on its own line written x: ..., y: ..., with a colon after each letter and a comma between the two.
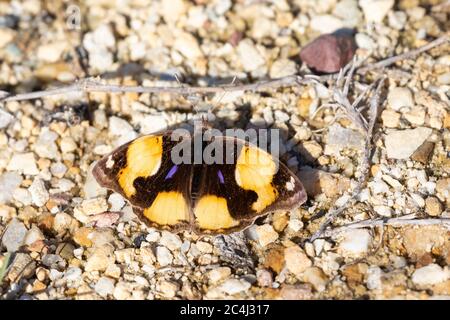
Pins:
x: 367, y: 128
x: 351, y: 110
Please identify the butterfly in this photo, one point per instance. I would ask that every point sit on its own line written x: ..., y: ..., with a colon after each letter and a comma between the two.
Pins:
x: 204, y: 182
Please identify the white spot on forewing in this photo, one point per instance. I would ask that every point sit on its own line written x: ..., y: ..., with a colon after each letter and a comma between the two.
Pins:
x: 237, y: 176
x: 290, y: 185
x: 109, y: 162
x: 156, y: 168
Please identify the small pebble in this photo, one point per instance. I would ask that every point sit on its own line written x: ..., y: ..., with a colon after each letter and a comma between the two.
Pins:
x: 219, y: 274
x: 355, y: 243
x: 187, y: 45
x: 401, y: 144
x: 122, y: 291
x: 376, y: 10
x: 104, y: 286
x: 163, y: 256
x: 364, y: 41
x: 430, y: 275
x: 423, y: 153
x: 296, y: 292
x: 6, y: 36
x: 14, y: 235
x: 384, y: 211
x: 249, y: 56
x: 94, y: 206
x: 73, y: 274
x: 170, y: 240
x: 416, y: 116
x: 58, y: 169
x: 443, y: 79
x: 168, y: 288
x: 62, y: 222
x: 264, y: 278
x: 390, y: 118
x: 5, y: 119
x: 400, y: 97
x: 45, y: 146
x: 329, y: 53
x: 119, y: 127
x: 24, y: 163
x: 266, y: 234
x: 91, y: 188
x: 373, y: 280
x: 67, y: 145
x: 152, y: 123
x: 316, y: 277
x: 326, y: 23
x: 9, y: 182
x: 433, y: 206
x: 283, y: 68
x: 39, y: 193
x: 33, y: 235
x: 99, y: 260
x: 296, y: 260
x: 234, y: 286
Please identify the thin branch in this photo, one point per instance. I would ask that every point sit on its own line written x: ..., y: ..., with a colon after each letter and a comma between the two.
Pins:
x: 365, y: 158
x: 396, y: 222
x: 92, y: 85
x: 407, y: 55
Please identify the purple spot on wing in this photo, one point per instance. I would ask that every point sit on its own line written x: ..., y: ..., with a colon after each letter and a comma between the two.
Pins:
x: 171, y: 172
x: 220, y: 175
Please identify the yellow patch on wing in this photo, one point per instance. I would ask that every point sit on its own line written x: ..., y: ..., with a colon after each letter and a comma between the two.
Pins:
x: 143, y: 160
x: 211, y: 213
x: 168, y: 208
x: 255, y: 170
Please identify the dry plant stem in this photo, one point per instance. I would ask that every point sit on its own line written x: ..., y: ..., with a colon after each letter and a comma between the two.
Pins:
x: 365, y: 159
x: 91, y: 85
x: 396, y: 222
x: 407, y: 55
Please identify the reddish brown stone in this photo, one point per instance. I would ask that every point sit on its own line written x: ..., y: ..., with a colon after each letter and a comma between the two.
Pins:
x: 329, y: 53
x: 235, y: 38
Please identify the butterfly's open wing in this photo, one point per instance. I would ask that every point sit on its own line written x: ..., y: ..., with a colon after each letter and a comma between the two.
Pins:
x: 249, y: 183
x: 143, y: 172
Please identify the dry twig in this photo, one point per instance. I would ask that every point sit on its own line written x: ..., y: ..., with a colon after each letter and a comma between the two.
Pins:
x: 404, y: 56
x: 366, y: 127
x: 92, y: 85
x: 352, y: 111
x: 396, y: 222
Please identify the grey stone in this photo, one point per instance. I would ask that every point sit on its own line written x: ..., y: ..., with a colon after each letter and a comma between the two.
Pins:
x: 14, y: 236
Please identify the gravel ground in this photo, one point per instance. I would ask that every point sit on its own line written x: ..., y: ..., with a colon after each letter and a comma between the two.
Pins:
x: 64, y: 237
